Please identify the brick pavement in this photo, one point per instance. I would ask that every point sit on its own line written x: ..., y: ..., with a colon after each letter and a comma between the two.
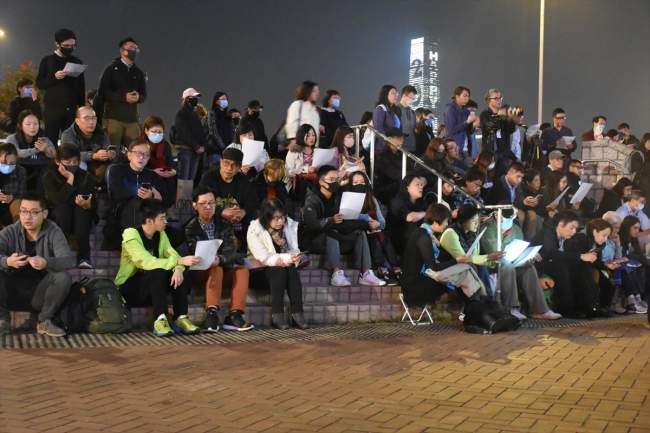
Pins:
x: 584, y: 379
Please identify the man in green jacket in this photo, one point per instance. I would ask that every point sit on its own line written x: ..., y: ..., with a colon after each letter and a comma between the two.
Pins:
x: 150, y: 268
x: 34, y: 259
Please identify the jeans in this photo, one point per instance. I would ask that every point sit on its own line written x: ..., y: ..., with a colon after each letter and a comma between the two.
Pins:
x: 56, y: 121
x: 65, y: 215
x: 33, y: 292
x: 188, y: 162
x: 283, y: 279
x: 151, y: 287
x: 332, y: 248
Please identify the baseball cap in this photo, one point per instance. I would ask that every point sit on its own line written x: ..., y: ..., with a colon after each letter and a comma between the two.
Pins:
x: 190, y: 92
x: 233, y: 154
x: 255, y: 104
x: 556, y: 154
x: 395, y: 132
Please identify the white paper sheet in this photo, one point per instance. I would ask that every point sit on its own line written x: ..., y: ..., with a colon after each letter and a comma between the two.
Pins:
x: 74, y: 69
x: 528, y: 254
x: 559, y: 197
x: 478, y: 238
x: 351, y: 204
x: 322, y: 157
x: 514, y: 250
x: 253, y: 151
x: 207, y: 250
x: 568, y: 140
x: 581, y: 192
x: 532, y: 130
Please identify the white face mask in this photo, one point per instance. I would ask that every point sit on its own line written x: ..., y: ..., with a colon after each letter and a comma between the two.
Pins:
x: 640, y: 206
x: 491, y: 166
x: 506, y: 223
x: 348, y: 142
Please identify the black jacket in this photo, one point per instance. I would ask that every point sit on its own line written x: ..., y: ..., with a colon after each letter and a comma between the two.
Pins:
x: 65, y: 94
x: 18, y: 105
x: 548, y: 239
x: 490, y: 123
x: 500, y: 192
x: 581, y: 244
x: 243, y: 192
x: 522, y: 192
x: 610, y: 202
x: 189, y: 131
x: 331, y: 121
x: 59, y: 191
x: 388, y: 167
x: 317, y: 221
x: 124, y: 183
x: 258, y: 128
x: 262, y: 191
x: 222, y: 230
x: 116, y: 81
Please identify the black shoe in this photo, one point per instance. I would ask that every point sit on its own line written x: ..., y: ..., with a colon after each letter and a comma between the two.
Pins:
x: 280, y: 322
x: 391, y: 279
x: 299, y: 321
x: 212, y: 322
x: 604, y: 313
x: 573, y: 314
x: 235, y: 322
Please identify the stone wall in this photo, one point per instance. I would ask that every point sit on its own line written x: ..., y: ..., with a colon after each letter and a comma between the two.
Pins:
x: 602, y: 174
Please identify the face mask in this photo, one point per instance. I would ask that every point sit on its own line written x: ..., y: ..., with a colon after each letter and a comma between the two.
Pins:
x: 71, y: 168
x: 223, y: 103
x: 66, y: 51
x: 131, y: 54
x: 601, y: 128
x: 332, y: 187
x: 336, y: 103
x: 349, y: 143
x: 256, y: 114
x: 235, y: 121
x: 440, y: 155
x: 6, y: 168
x: 359, y: 188
x: 193, y: 101
x: 27, y: 92
x: 429, y: 121
x: 506, y: 223
x: 273, y: 184
x: 155, y: 138
x: 491, y: 166
x: 472, y: 113
x: 640, y: 207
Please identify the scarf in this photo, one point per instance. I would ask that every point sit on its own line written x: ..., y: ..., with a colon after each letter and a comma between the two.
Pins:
x: 280, y: 240
x: 157, y: 158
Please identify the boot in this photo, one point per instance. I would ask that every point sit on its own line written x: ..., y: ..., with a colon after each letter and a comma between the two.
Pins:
x: 180, y: 189
x: 279, y: 321
x: 187, y: 192
x: 299, y: 321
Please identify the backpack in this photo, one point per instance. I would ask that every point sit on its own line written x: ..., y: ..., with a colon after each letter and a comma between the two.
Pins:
x: 108, y: 313
x: 488, y: 318
x: 627, y: 164
x: 72, y: 313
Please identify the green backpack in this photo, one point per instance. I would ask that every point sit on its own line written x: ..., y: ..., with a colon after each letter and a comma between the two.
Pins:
x: 108, y: 313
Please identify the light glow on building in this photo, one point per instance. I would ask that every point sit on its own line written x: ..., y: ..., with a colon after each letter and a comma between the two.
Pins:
x: 423, y: 75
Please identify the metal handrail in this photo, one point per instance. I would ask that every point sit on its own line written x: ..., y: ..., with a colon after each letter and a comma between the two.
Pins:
x: 608, y: 161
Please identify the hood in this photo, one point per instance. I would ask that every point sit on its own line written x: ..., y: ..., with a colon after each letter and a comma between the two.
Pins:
x: 456, y: 107
x: 295, y: 147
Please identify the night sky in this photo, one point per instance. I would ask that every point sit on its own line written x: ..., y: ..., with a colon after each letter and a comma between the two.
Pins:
x: 597, y: 57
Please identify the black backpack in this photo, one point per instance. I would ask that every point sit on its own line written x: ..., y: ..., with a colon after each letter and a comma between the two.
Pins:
x: 108, y: 313
x: 72, y: 313
x: 488, y: 318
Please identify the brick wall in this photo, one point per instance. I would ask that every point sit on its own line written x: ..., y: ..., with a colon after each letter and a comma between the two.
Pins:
x: 603, y: 175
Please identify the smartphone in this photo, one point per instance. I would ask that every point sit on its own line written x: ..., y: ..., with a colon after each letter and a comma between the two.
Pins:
x: 595, y: 250
x: 146, y: 185
x: 167, y: 169
x: 85, y: 196
x: 21, y: 253
x: 538, y: 196
x: 42, y: 138
x: 112, y: 147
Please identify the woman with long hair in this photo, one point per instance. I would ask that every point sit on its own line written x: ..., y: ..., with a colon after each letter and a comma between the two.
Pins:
x: 485, y: 163
x: 387, y: 113
x: 406, y: 211
x: 529, y: 204
x: 303, y: 111
x: 300, y: 157
x: 634, y: 272
x: 556, y: 183
x: 640, y: 164
x: 220, y: 123
x: 343, y: 145
x: 615, y: 197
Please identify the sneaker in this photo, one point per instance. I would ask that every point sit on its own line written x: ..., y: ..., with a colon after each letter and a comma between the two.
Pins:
x: 184, y: 325
x: 212, y: 322
x: 549, y: 315
x: 338, y: 279
x: 49, y: 328
x: 640, y: 309
x: 235, y: 322
x: 369, y: 279
x: 84, y: 264
x: 391, y: 279
x: 515, y: 312
x: 161, y: 328
x: 5, y: 328
x: 644, y: 304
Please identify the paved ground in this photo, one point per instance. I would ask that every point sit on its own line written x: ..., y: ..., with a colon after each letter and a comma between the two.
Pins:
x: 581, y: 379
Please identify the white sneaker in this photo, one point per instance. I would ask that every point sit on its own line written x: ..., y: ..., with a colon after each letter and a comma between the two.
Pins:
x: 640, y: 309
x: 515, y: 312
x: 338, y: 279
x: 549, y: 315
x: 369, y: 279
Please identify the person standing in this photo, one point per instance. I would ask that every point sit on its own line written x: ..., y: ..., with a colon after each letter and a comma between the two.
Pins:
x: 303, y: 110
x: 330, y: 118
x: 123, y: 86
x: 552, y: 138
x: 220, y: 123
x: 62, y: 93
x: 459, y: 123
x: 252, y: 116
x: 496, y: 129
x: 407, y: 117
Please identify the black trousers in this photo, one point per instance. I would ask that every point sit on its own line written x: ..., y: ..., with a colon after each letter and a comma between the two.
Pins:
x: 379, y: 250
x: 281, y: 279
x: 563, y: 295
x: 147, y: 288
x: 33, y: 291
x: 68, y: 216
x: 56, y: 121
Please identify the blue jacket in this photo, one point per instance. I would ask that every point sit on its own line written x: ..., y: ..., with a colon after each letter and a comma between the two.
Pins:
x: 456, y: 123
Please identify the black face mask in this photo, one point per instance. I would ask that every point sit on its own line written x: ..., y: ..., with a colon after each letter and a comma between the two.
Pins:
x: 359, y: 188
x: 256, y: 114
x: 193, y: 101
x: 235, y: 121
x: 131, y: 54
x: 66, y: 51
x: 332, y: 187
x: 71, y: 168
x: 273, y: 184
x: 440, y: 155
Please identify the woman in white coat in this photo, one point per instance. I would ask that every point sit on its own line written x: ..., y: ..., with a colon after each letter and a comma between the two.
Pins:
x: 273, y: 244
x: 303, y: 110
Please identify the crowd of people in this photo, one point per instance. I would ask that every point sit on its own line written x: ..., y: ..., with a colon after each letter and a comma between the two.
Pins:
x: 271, y: 215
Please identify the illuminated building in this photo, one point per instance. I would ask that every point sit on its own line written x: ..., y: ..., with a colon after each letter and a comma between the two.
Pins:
x: 423, y: 75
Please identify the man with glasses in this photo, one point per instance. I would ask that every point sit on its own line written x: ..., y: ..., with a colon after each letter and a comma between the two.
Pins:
x: 496, y: 129
x: 552, y: 137
x: 223, y: 271
x: 252, y: 116
x: 407, y: 118
x: 236, y: 199
x: 34, y: 259
x: 123, y: 86
x: 91, y: 140
x: 62, y: 92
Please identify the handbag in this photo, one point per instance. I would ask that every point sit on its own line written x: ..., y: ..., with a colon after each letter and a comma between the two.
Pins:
x: 351, y: 164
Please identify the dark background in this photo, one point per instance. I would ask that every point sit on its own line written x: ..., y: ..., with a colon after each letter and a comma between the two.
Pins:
x: 597, y: 52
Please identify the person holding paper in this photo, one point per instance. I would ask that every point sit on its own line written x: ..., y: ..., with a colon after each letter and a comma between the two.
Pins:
x: 406, y: 211
x: 597, y: 132
x: 388, y: 167
x: 62, y: 94
x: 511, y: 279
x: 150, y: 268
x: 552, y: 137
x: 586, y: 205
x: 273, y: 245
x: 123, y: 85
x: 343, y: 144
x: 299, y: 161
x: 223, y: 271
x: 457, y: 239
x: 270, y: 183
x: 328, y: 233
x: 555, y: 189
x: 379, y: 242
x: 246, y: 131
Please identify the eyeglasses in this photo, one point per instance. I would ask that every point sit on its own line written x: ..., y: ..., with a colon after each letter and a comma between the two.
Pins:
x: 207, y: 204
x: 232, y: 165
x: 132, y: 49
x: 140, y: 154
x: 33, y: 213
x: 498, y: 98
x: 412, y: 98
x: 560, y: 118
x: 394, y: 93
x: 89, y: 118
x: 331, y: 179
x: 279, y: 218
x: 478, y: 183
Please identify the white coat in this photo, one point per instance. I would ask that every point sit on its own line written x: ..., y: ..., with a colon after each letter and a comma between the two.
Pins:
x: 261, y: 250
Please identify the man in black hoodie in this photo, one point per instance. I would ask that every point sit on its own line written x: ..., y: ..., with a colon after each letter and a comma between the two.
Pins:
x: 123, y: 86
x: 252, y: 116
x: 62, y: 93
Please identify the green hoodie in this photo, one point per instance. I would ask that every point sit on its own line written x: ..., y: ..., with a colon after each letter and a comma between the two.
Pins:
x: 136, y: 257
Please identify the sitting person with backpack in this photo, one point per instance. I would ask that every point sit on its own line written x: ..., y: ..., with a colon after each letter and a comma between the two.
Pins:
x: 150, y: 268
x: 223, y: 271
x: 34, y: 259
